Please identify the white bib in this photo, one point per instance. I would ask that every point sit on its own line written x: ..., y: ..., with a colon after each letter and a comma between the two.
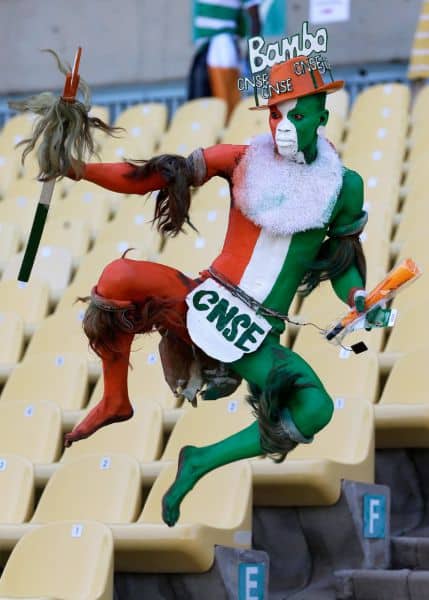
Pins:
x: 221, y: 324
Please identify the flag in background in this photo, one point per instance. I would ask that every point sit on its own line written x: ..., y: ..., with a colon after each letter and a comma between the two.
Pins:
x: 273, y: 17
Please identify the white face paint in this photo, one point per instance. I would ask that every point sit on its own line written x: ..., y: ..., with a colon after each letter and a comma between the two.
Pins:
x: 286, y: 136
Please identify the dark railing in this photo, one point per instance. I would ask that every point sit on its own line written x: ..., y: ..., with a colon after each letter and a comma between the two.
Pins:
x: 173, y: 93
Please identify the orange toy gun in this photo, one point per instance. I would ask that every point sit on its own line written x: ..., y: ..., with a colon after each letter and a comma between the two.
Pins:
x: 404, y: 273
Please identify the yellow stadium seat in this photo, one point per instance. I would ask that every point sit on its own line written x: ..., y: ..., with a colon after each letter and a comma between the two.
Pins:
x: 90, y: 270
x: 32, y: 430
x: 213, y: 195
x: 202, y: 110
x: 18, y: 128
x: 137, y: 232
x: 16, y: 488
x: 140, y: 437
x: 146, y: 378
x: 97, y: 487
x: 151, y: 546
x: 338, y: 103
x: 143, y: 116
x: 312, y: 473
x: 405, y: 335
x: 85, y: 203
x: 68, y: 560
x: 402, y: 415
x: 185, y: 140
x: 9, y: 242
x: 19, y: 206
x: 29, y: 300
x: 53, y: 266
x: 210, y: 422
x: 343, y: 373
x: 62, y: 333
x: 60, y: 378
x: 12, y: 341
x: 195, y: 251
x: 8, y: 169
x: 133, y: 144
x: 72, y: 234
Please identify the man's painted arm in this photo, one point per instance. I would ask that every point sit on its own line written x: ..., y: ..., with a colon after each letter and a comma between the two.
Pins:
x: 348, y: 224
x: 117, y: 177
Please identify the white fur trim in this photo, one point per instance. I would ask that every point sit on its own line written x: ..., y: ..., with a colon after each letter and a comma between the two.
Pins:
x: 285, y: 197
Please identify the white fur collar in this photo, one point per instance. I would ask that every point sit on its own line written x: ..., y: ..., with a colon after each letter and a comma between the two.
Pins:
x: 285, y: 197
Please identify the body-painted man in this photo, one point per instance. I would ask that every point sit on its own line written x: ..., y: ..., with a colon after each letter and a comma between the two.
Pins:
x: 296, y: 214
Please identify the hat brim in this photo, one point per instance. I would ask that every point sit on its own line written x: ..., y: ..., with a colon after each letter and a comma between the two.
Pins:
x: 329, y: 88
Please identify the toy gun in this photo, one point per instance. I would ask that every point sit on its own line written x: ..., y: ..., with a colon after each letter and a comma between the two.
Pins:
x: 403, y: 274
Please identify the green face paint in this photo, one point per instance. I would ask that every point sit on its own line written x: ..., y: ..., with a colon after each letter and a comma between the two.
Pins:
x: 307, y: 116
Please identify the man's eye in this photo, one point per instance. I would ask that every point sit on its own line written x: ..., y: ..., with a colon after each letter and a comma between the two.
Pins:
x: 275, y: 115
x: 298, y: 117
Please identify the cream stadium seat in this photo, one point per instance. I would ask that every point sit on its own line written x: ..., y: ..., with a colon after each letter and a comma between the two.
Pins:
x: 17, y: 128
x: 91, y: 268
x: 338, y: 103
x: 60, y: 378
x: 85, y: 202
x: 72, y: 234
x: 62, y: 333
x: 8, y: 169
x: 29, y: 300
x: 312, y: 473
x: 31, y: 429
x: 137, y: 232
x: 53, y: 266
x: 71, y: 561
x: 140, y: 437
x: 405, y: 335
x: 12, y: 342
x: 195, y: 251
x: 402, y: 415
x: 134, y: 143
x: 214, y: 195
x: 201, y: 110
x: 148, y: 115
x: 19, y: 206
x: 344, y: 373
x: 187, y: 138
x: 97, y: 487
x: 146, y: 378
x: 210, y: 422
x: 9, y: 243
x: 217, y: 511
x: 16, y: 488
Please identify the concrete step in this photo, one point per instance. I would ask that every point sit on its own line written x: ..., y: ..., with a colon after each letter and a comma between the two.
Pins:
x: 410, y: 553
x: 366, y: 584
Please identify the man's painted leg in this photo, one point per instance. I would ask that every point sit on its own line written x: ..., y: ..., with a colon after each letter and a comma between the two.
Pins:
x: 195, y: 462
x: 115, y: 405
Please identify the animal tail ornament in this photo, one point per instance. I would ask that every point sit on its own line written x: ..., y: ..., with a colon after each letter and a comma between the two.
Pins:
x: 63, y: 131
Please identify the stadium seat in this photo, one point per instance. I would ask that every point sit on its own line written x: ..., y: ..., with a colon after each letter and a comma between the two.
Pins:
x: 53, y: 266
x: 214, y: 195
x: 203, y: 110
x: 17, y: 128
x: 12, y: 342
x: 71, y: 561
x: 133, y: 144
x: 311, y: 474
x: 343, y: 373
x: 146, y: 378
x: 210, y: 422
x: 19, y: 206
x: 141, y: 437
x: 402, y: 415
x: 244, y: 123
x: 62, y: 333
x: 60, y: 378
x: 195, y: 251
x: 16, y: 488
x: 29, y: 300
x: 32, y: 430
x: 134, y: 232
x: 9, y: 243
x: 151, y: 115
x: 90, y: 270
x: 151, y: 546
x: 72, y: 234
x: 8, y: 169
x: 97, y: 487
x: 85, y: 202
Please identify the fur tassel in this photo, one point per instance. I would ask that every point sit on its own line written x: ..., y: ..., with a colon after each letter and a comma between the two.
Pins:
x: 267, y: 405
x: 63, y: 131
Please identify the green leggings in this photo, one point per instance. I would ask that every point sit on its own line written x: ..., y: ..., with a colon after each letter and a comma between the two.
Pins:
x: 310, y: 407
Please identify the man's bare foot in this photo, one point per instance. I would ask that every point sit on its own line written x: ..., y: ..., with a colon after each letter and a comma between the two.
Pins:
x: 188, y: 473
x: 100, y: 416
